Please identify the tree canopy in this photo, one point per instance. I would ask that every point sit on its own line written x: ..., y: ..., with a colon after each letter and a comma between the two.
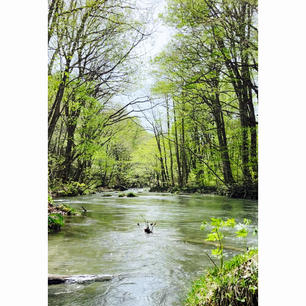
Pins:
x: 202, y: 116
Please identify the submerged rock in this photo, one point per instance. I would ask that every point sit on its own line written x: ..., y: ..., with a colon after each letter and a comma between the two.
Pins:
x: 54, y: 279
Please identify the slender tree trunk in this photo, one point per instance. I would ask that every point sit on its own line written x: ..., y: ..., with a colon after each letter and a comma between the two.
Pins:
x: 253, y: 133
x: 180, y: 183
x: 218, y: 115
x: 54, y: 113
x: 183, y: 153
x: 163, y: 173
x: 165, y: 158
x: 169, y: 142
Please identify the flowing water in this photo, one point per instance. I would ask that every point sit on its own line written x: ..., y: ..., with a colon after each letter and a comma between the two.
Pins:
x: 149, y: 269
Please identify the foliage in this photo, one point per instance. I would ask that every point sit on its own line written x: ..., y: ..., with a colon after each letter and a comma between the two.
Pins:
x: 235, y: 284
x: 131, y: 195
x: 71, y: 188
x: 202, y: 109
x: 55, y: 221
x: 56, y: 213
x: 50, y: 199
x: 206, y: 81
x: 91, y: 51
x: 66, y: 209
x: 217, y: 228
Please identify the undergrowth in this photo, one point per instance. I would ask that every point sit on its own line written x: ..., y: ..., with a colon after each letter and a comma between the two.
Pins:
x: 56, y: 214
x: 234, y: 285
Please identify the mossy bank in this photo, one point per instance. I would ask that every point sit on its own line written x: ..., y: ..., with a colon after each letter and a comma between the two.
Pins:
x: 56, y: 214
x: 236, y: 284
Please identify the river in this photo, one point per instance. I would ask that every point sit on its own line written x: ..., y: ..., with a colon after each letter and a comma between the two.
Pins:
x: 151, y: 269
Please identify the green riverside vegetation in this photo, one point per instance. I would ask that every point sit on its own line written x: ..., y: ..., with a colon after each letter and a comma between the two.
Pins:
x: 56, y: 214
x: 236, y: 284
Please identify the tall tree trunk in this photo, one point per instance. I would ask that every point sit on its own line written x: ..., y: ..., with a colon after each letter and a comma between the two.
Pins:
x: 165, y: 158
x: 218, y: 115
x: 169, y: 142
x: 163, y: 173
x: 177, y: 151
x: 253, y: 133
x: 242, y: 96
x: 183, y: 153
x: 54, y: 113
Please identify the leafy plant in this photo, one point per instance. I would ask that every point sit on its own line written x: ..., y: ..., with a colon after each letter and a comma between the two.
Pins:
x: 216, y: 234
x: 235, y: 284
x: 50, y: 199
x: 55, y: 221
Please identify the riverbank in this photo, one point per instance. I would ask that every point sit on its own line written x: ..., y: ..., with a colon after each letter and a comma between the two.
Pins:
x: 70, y: 189
x: 56, y: 214
x: 73, y: 188
x: 237, y: 191
x: 236, y: 284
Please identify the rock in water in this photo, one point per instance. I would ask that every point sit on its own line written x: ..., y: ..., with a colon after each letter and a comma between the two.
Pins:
x: 54, y: 279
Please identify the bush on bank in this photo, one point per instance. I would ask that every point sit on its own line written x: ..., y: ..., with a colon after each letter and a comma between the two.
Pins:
x: 236, y: 284
x: 241, y: 191
x: 56, y: 214
x: 71, y: 189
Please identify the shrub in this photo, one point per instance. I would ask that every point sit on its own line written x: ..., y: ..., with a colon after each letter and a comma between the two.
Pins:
x: 131, y: 195
x: 72, y: 188
x: 55, y: 221
x: 236, y: 284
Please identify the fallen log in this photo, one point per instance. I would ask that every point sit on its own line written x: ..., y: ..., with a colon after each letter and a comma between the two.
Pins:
x: 54, y: 279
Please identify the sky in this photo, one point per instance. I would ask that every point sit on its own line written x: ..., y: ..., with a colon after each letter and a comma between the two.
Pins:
x: 147, y: 51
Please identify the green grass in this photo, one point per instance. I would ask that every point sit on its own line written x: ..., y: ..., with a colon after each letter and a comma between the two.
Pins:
x: 236, y: 284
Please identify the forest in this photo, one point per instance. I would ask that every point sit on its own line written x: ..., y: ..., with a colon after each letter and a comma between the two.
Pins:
x: 152, y: 152
x: 195, y: 130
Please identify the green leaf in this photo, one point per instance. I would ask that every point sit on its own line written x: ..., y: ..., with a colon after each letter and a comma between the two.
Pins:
x: 216, y: 252
x: 202, y: 227
x: 217, y: 222
x: 212, y: 237
x: 247, y: 221
x: 242, y: 232
x: 230, y: 222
